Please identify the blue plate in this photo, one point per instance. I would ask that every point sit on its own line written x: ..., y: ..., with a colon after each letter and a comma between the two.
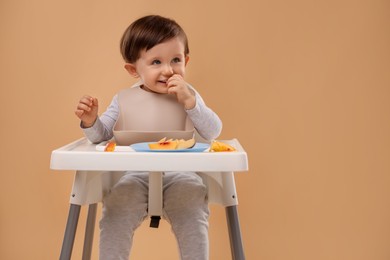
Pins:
x: 144, y: 147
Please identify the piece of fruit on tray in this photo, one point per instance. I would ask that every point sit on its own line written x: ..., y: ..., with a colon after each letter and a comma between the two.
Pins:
x: 110, y: 147
x: 217, y: 146
x: 172, y: 144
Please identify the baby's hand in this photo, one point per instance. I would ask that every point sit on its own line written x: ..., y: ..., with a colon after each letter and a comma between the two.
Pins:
x: 87, y: 110
x: 176, y: 85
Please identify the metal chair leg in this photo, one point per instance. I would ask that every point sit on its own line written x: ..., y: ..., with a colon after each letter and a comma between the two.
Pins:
x: 155, y: 203
x: 89, y: 231
x: 70, y: 232
x: 236, y: 244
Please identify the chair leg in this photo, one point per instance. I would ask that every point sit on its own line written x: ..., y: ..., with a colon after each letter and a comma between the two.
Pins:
x: 236, y: 245
x: 89, y: 231
x: 70, y: 232
x: 155, y: 199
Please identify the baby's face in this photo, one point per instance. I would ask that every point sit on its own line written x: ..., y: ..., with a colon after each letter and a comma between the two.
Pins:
x: 159, y: 63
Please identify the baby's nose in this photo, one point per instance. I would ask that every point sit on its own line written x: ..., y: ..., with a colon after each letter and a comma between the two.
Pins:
x: 168, y: 70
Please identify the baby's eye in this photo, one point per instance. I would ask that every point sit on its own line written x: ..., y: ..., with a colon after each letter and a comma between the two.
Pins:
x: 176, y: 60
x: 156, y: 62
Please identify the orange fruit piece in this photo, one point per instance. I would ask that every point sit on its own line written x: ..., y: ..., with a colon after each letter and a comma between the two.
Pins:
x: 110, y: 147
x: 217, y: 146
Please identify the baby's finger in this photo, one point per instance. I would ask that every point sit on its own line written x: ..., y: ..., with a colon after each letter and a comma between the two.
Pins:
x: 94, y: 102
x: 173, y: 80
x: 176, y: 76
x: 83, y: 107
x: 171, y: 84
x: 79, y: 113
x: 172, y: 90
x: 88, y: 100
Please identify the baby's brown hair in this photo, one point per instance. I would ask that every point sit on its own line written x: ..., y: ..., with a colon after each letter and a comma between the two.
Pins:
x: 148, y: 31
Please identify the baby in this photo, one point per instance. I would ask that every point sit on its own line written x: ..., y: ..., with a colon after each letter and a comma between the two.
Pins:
x: 155, y: 50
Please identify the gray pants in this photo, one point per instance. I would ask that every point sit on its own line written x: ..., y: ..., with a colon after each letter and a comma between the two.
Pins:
x: 185, y: 207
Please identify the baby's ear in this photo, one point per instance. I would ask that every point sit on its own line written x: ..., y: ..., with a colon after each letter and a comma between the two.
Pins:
x: 131, y: 70
x: 187, y: 59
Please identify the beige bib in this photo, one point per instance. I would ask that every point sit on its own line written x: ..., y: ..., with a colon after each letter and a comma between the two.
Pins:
x: 147, y: 117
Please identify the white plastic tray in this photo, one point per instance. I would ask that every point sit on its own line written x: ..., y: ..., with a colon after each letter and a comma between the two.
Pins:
x: 83, y: 155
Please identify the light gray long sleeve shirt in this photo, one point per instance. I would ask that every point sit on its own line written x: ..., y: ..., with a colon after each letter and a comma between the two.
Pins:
x: 206, y: 121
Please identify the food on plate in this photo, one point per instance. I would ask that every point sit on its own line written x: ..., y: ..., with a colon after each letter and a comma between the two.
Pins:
x: 185, y: 144
x: 163, y: 144
x: 217, y: 146
x: 172, y: 144
x: 110, y: 147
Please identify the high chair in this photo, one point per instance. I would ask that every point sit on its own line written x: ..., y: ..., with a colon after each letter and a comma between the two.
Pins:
x: 98, y: 171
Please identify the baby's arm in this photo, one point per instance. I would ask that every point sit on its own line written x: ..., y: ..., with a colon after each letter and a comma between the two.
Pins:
x: 101, y: 128
x: 205, y: 120
x: 186, y: 96
x: 87, y: 110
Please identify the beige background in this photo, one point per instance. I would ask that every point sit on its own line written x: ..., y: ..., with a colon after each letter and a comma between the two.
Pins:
x: 304, y: 85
